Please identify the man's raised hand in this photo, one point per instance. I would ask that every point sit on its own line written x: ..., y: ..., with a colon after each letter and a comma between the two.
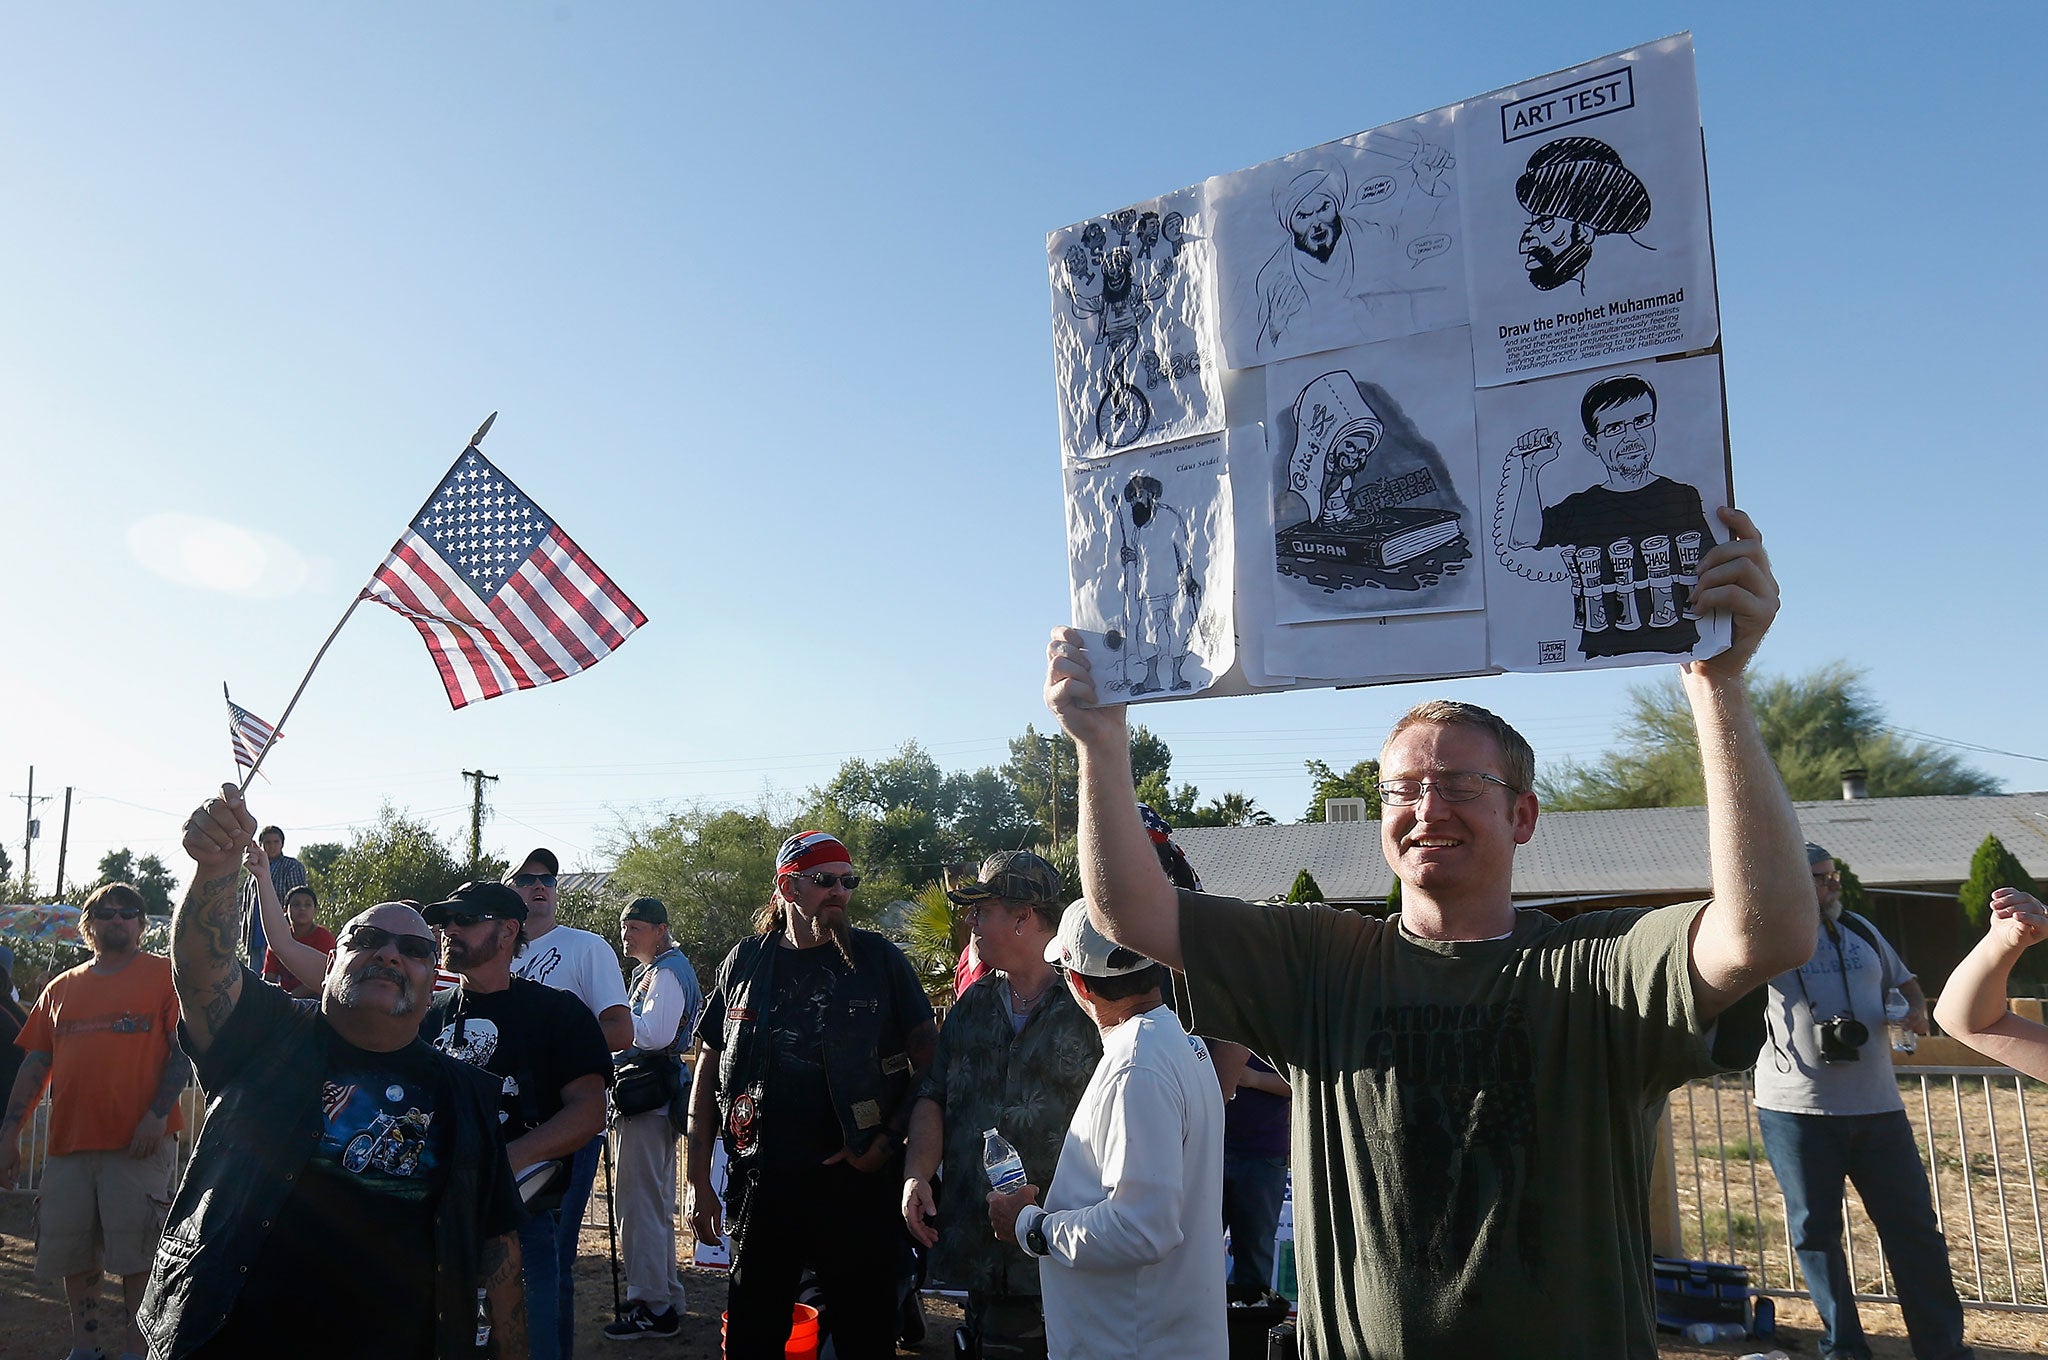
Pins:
x: 1071, y: 695
x: 1736, y: 576
x: 218, y: 832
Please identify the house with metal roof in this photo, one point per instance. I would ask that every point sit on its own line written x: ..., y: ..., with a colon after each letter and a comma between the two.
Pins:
x: 1911, y: 854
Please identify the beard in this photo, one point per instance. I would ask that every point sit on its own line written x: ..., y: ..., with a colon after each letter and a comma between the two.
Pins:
x: 1550, y: 269
x: 1633, y: 460
x: 1320, y: 242
x: 458, y: 954
x: 346, y: 989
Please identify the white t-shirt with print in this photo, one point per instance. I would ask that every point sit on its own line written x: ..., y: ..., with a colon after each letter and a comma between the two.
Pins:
x: 575, y: 961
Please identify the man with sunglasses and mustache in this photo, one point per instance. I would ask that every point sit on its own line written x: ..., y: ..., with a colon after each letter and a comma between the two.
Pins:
x: 818, y: 1035
x: 553, y: 1067
x: 100, y: 1037
x: 338, y: 1150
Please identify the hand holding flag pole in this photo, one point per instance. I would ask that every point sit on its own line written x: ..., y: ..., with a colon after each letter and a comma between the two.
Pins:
x: 502, y: 598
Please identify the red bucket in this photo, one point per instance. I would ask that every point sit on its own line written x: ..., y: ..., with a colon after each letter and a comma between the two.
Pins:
x: 803, y: 1334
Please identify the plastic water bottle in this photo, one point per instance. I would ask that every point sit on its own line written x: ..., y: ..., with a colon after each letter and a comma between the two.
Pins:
x: 1005, y: 1168
x: 1707, y: 1333
x: 1766, y: 1355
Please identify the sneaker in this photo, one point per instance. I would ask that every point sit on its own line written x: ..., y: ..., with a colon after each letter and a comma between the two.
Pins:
x: 641, y: 1322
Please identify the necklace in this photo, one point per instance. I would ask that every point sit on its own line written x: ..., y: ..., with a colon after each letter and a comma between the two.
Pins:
x: 1020, y: 1002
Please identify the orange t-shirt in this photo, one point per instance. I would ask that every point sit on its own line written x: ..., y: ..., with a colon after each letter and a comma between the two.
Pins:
x: 107, y: 1036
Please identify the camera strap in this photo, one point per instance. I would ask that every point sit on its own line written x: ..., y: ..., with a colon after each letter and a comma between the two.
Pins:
x: 1842, y: 963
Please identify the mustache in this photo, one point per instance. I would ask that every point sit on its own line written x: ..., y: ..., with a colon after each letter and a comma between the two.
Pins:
x: 348, y: 990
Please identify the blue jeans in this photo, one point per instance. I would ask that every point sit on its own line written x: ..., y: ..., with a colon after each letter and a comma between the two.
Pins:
x: 568, y: 1226
x: 1811, y: 1154
x: 1253, y: 1189
x: 543, y: 1276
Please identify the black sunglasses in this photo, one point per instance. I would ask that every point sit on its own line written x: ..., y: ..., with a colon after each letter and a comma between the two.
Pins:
x: 532, y: 880
x: 367, y: 939
x: 463, y: 920
x: 825, y: 880
x: 114, y: 913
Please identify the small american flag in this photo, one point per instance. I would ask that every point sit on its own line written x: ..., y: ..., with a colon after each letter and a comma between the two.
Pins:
x: 247, y: 733
x: 502, y: 597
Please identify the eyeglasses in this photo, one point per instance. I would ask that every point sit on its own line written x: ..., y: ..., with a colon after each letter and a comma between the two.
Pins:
x: 463, y: 920
x: 534, y: 880
x: 1834, y: 879
x: 1615, y: 427
x: 1453, y: 786
x: 825, y: 880
x: 367, y: 939
x: 977, y: 910
x: 116, y: 913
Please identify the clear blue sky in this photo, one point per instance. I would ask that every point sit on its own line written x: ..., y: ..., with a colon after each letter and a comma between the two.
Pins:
x: 761, y: 294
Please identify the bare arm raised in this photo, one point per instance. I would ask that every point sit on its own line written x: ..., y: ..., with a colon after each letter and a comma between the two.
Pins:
x: 1972, y: 1006
x: 206, y: 924
x: 1130, y: 899
x: 1762, y: 919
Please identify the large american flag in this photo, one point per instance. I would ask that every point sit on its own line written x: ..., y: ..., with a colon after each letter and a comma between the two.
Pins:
x: 247, y: 733
x: 502, y: 597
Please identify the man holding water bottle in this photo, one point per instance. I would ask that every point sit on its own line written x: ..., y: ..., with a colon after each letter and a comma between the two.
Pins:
x: 1130, y: 1255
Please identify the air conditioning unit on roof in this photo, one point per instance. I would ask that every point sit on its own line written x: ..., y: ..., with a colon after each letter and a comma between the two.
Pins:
x: 1344, y: 810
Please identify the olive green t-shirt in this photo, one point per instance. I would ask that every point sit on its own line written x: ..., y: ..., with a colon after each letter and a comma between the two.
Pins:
x: 1472, y: 1122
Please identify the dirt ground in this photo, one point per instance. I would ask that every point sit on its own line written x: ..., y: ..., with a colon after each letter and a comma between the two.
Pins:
x: 32, y: 1325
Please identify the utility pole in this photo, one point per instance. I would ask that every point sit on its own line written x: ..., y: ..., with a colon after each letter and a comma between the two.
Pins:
x: 64, y: 840
x: 476, y: 779
x: 29, y: 829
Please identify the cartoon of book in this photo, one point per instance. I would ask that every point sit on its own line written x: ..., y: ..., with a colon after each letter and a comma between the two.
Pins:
x: 1385, y: 539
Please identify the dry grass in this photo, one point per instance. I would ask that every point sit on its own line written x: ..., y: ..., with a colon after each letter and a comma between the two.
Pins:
x: 1986, y: 1177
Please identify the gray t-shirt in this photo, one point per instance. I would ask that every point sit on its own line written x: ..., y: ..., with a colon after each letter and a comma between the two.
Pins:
x: 1790, y: 1075
x: 1472, y: 1122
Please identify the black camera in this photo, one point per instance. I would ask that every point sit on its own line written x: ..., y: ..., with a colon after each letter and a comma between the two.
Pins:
x: 1842, y: 1038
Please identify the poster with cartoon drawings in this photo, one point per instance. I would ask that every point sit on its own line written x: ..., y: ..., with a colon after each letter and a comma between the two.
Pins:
x: 1605, y: 487
x: 1374, y: 480
x: 1585, y: 216
x: 1133, y: 327
x: 1345, y: 243
x: 1150, y: 560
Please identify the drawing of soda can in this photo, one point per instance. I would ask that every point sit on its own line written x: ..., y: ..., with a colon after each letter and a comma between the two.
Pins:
x: 1657, y: 566
x: 1622, y: 553
x: 1595, y: 597
x: 1571, y: 571
x: 1688, y: 572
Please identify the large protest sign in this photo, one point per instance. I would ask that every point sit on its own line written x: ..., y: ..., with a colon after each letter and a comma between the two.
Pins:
x: 1440, y: 398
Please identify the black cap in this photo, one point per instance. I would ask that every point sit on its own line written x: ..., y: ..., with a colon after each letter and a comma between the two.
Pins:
x: 646, y: 909
x: 543, y: 854
x: 477, y: 899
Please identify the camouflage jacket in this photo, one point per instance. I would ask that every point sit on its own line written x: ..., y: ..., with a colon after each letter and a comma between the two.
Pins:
x: 1026, y: 1085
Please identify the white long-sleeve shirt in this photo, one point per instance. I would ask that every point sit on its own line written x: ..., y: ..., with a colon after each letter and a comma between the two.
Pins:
x: 1133, y: 1220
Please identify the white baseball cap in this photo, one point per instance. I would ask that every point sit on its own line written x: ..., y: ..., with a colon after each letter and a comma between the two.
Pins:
x: 1080, y: 948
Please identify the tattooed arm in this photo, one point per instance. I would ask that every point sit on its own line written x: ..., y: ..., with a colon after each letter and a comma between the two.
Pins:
x: 206, y: 925
x: 28, y: 1089
x: 505, y: 1296
x: 149, y: 1130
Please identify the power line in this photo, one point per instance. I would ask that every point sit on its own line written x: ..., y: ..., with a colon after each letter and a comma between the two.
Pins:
x: 1962, y: 745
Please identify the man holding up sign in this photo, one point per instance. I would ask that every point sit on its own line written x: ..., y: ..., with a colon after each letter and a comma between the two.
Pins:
x: 1477, y: 1085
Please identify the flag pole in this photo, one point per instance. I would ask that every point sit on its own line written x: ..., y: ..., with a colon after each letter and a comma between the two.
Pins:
x: 278, y: 730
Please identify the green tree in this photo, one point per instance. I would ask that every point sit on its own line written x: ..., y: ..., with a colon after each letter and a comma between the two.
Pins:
x: 1814, y: 726
x: 1854, y: 897
x: 1362, y: 780
x: 1043, y: 771
x: 1305, y: 888
x: 1228, y: 809
x: 713, y: 868
x: 1991, y: 868
x: 1394, y: 898
x: 319, y: 857
x: 987, y: 814
x: 148, y: 875
x: 932, y: 939
x: 394, y: 859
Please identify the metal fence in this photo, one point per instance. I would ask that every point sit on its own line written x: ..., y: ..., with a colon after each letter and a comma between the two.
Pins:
x: 35, y: 1139
x: 1974, y: 1126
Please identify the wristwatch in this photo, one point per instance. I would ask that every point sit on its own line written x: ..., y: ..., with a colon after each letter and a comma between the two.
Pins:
x: 1033, y: 1240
